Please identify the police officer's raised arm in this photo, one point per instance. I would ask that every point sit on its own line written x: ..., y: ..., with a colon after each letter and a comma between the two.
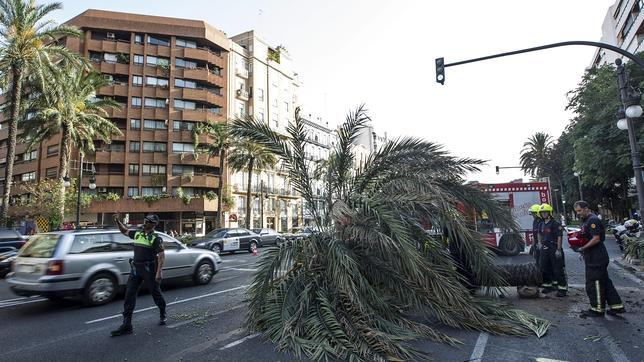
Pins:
x: 122, y: 228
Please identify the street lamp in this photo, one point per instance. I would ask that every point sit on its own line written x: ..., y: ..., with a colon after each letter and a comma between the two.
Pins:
x: 630, y: 110
x: 92, y: 186
x: 578, y: 175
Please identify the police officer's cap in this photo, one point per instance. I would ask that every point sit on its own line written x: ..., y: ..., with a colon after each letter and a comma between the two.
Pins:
x: 152, y: 218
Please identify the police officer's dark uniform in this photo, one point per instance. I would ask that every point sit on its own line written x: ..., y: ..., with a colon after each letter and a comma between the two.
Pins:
x: 599, y: 287
x: 552, y: 267
x: 143, y: 268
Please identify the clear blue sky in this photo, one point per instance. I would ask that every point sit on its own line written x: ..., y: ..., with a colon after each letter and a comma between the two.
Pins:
x: 382, y: 53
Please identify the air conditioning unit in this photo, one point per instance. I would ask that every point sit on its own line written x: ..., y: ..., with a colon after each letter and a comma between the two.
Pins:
x: 167, y: 101
x: 111, y: 35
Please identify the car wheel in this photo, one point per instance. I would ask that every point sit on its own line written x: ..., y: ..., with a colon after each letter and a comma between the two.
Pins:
x: 203, y: 273
x: 100, y: 290
x: 278, y: 241
x: 252, y: 245
x: 216, y: 248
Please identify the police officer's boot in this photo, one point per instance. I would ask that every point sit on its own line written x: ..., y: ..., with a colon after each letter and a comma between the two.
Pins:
x: 125, y: 328
x: 163, y: 318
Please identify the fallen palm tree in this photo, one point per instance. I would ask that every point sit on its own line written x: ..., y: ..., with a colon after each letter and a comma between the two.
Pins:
x: 348, y: 291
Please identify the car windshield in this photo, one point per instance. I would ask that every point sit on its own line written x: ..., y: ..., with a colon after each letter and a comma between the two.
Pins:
x: 217, y: 233
x: 40, y: 246
x: 256, y: 231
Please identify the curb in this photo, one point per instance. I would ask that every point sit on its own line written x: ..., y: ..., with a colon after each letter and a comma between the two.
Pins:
x: 629, y: 268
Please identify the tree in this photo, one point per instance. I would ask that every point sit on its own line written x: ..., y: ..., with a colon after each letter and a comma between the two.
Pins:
x: 347, y: 291
x: 70, y: 108
x: 27, y: 47
x: 248, y: 155
x: 221, y: 142
x: 536, y: 154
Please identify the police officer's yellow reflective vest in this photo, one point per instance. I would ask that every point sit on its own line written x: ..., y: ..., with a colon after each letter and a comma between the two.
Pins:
x: 141, y: 239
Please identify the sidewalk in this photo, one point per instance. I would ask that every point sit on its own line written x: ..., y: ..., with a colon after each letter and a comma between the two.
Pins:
x: 636, y: 270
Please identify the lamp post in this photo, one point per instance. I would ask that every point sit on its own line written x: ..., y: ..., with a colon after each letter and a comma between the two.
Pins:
x: 630, y: 110
x: 92, y: 186
x: 581, y: 193
x: 555, y: 200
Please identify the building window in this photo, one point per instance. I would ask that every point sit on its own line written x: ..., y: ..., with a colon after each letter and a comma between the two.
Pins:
x: 29, y: 156
x: 29, y: 176
x: 154, y: 124
x: 135, y: 123
x: 182, y: 43
x: 116, y: 147
x: 135, y: 146
x: 260, y: 94
x: 136, y: 102
x: 240, y: 110
x: 132, y: 191
x: 183, y: 83
x: 138, y: 59
x: 182, y: 147
x: 153, y: 82
x: 137, y: 80
x: 276, y: 122
x: 183, y: 63
x: 154, y: 103
x: 149, y: 191
x: 156, y: 61
x: 51, y: 172
x: 286, y: 106
x: 178, y: 170
x: 133, y: 169
x: 154, y: 147
x: 158, y: 41
x: 183, y: 126
x: 181, y: 104
x: 52, y: 150
x: 260, y: 116
x: 153, y: 170
x: 138, y: 39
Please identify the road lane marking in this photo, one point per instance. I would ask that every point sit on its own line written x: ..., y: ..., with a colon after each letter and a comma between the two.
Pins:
x: 626, y: 289
x: 171, y: 303
x: 479, y: 348
x: 239, y: 341
x: 12, y: 300
x: 207, y: 316
x: 615, y: 351
x: 21, y: 302
x: 242, y: 269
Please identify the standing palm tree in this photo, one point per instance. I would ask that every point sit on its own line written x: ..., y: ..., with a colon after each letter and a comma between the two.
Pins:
x: 219, y: 147
x: 347, y: 291
x: 27, y: 46
x: 535, y: 155
x: 72, y: 110
x: 249, y: 156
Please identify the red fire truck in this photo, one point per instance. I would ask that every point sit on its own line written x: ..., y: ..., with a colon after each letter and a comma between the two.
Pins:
x: 518, y: 196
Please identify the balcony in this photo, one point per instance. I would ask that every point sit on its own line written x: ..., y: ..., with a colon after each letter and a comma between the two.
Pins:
x: 116, y: 89
x: 154, y: 113
x: 109, y: 46
x: 113, y: 68
x: 109, y: 157
x: 156, y: 92
x: 157, y: 158
x: 241, y: 72
x: 108, y: 180
x: 117, y: 112
x: 200, y: 115
x: 195, y: 180
x: 169, y: 204
x: 189, y: 159
x: 202, y: 54
x: 197, y: 94
x: 202, y: 74
x: 242, y: 94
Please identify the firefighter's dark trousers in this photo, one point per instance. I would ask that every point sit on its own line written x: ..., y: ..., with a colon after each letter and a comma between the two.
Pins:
x: 553, y: 269
x: 600, y: 289
x: 145, y: 271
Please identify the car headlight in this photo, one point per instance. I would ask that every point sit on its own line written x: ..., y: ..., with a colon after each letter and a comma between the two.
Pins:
x: 202, y: 244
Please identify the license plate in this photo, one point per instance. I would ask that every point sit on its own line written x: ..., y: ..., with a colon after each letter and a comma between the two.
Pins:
x: 26, y: 268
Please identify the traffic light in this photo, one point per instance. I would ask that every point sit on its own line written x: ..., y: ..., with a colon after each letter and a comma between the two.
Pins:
x: 497, y: 170
x: 440, y: 70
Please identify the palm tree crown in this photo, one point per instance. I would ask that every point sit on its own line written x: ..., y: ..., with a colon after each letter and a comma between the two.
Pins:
x: 535, y: 154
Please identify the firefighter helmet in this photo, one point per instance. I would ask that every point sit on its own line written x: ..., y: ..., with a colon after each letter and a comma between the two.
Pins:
x: 545, y: 208
x: 535, y: 208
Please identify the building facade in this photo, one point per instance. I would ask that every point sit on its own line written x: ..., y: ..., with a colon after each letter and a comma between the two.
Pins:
x: 623, y: 27
x: 168, y: 75
x: 263, y: 85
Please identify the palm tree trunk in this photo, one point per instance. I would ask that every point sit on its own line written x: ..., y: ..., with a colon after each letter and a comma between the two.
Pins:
x: 11, y: 147
x: 250, y: 179
x: 220, y: 213
x: 65, y: 154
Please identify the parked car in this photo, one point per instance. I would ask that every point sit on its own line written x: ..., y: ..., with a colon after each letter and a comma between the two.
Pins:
x: 12, y: 238
x: 228, y: 240
x: 269, y: 236
x: 298, y: 233
x: 95, y: 264
x: 7, y: 255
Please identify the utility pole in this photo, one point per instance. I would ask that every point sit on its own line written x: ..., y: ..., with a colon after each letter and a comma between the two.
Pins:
x: 261, y: 203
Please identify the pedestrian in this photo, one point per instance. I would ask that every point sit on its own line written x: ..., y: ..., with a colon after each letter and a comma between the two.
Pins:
x: 146, y: 266
x: 599, y: 287
x: 536, y: 223
x: 551, y: 259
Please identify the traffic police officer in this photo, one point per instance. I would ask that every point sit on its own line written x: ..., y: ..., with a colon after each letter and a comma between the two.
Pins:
x: 551, y: 260
x: 599, y: 287
x: 536, y: 223
x: 146, y: 266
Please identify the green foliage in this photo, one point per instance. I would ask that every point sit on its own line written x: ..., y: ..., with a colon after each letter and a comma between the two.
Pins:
x: 151, y: 199
x: 634, y: 247
x: 158, y: 180
x: 123, y: 58
x: 348, y: 291
x: 536, y: 154
x: 183, y: 196
x: 211, y: 195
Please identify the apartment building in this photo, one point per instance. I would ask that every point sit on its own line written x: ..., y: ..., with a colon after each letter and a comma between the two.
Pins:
x: 263, y: 85
x: 623, y: 27
x: 168, y: 75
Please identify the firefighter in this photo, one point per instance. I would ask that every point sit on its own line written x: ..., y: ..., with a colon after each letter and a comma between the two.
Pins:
x: 551, y: 259
x: 536, y: 222
x: 599, y: 287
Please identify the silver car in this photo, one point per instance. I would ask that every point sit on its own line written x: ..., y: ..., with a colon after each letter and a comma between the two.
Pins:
x: 95, y: 264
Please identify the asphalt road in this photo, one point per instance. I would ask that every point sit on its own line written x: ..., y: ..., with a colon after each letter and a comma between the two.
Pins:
x: 206, y: 323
